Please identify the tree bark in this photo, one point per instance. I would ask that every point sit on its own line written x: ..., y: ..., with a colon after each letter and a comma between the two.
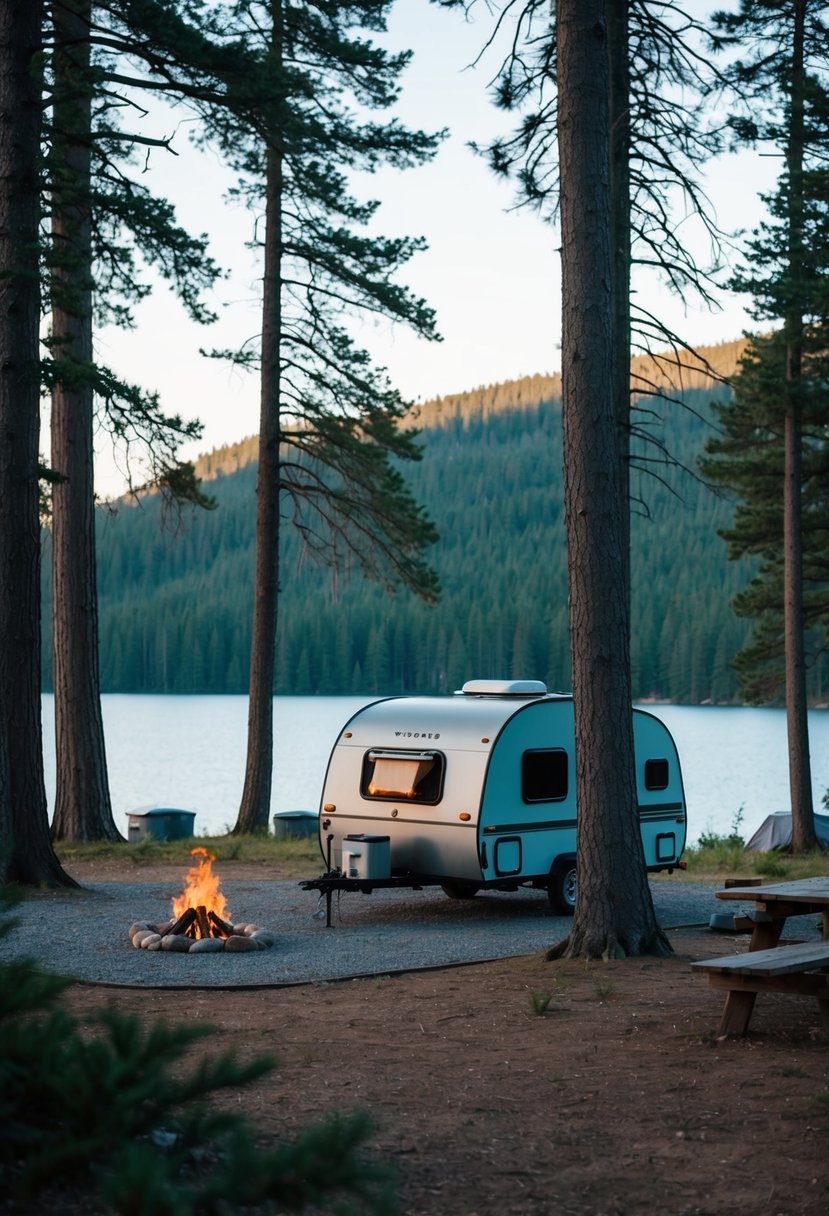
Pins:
x: 614, y: 911
x: 256, y: 796
x: 83, y: 810
x: 797, y: 721
x: 26, y: 854
x: 619, y: 118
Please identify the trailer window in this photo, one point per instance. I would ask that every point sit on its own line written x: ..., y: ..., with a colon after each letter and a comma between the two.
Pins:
x: 544, y: 775
x: 394, y: 775
x: 656, y: 774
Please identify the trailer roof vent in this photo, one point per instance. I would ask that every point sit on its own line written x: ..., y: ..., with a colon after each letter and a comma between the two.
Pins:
x: 504, y: 688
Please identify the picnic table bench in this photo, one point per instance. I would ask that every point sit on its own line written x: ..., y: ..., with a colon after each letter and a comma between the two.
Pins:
x: 799, y: 968
x: 796, y: 967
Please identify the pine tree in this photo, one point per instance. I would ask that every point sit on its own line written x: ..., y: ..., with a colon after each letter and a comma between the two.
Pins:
x: 329, y: 434
x: 614, y: 911
x: 101, y: 218
x: 82, y: 807
x: 659, y: 141
x: 104, y: 222
x: 26, y: 854
x: 783, y: 101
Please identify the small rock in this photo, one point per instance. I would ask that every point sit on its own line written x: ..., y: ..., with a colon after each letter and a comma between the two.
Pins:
x: 238, y: 944
x: 138, y: 938
x: 137, y: 928
x: 152, y: 941
x: 207, y: 945
x: 263, y: 937
x: 176, y: 942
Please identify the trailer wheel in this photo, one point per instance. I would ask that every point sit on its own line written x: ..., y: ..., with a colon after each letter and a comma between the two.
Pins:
x: 460, y: 888
x: 561, y: 889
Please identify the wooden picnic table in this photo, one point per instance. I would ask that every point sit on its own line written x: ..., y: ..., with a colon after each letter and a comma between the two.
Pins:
x: 800, y: 968
x: 774, y: 904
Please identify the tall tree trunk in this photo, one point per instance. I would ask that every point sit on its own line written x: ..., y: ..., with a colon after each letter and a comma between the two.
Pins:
x: 26, y: 854
x: 82, y: 804
x: 614, y: 911
x: 800, y: 774
x: 256, y: 796
x: 619, y: 117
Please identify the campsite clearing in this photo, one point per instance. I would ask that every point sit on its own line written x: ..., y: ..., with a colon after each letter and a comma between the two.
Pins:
x: 617, y: 1099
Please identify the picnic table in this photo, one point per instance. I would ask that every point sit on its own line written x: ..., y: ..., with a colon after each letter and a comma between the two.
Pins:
x: 774, y: 904
x: 799, y: 967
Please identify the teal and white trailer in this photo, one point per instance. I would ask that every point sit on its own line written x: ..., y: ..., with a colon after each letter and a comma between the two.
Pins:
x: 478, y: 791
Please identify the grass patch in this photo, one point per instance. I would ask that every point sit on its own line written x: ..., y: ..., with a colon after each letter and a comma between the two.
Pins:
x: 708, y: 862
x: 540, y: 1003
x: 298, y: 857
x: 771, y: 865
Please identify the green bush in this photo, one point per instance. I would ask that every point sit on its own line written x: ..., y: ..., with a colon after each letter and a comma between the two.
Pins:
x: 714, y: 851
x: 716, y: 854
x: 734, y: 839
x: 770, y: 865
x: 111, y: 1113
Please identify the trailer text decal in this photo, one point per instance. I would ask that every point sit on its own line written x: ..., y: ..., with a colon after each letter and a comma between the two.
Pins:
x: 417, y: 734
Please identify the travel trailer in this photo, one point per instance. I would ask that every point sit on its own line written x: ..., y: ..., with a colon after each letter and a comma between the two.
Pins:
x: 477, y: 791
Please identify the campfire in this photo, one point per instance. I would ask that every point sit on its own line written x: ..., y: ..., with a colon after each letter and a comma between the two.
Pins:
x: 201, y: 922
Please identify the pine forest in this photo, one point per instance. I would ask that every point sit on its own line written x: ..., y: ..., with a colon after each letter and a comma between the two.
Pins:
x: 175, y: 592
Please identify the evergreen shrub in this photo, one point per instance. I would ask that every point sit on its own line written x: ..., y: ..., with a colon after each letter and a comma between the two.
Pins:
x: 113, y: 1118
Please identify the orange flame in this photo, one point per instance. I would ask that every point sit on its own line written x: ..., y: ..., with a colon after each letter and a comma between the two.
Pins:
x: 202, y: 888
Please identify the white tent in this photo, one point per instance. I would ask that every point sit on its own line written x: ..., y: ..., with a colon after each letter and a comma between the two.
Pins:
x: 775, y: 832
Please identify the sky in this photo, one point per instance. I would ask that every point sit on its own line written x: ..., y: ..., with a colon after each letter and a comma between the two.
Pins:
x: 491, y: 271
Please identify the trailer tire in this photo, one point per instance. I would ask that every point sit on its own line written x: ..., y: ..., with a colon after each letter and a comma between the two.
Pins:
x: 561, y: 888
x: 460, y: 888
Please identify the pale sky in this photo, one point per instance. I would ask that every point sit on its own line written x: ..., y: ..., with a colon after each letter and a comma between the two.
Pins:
x: 492, y: 273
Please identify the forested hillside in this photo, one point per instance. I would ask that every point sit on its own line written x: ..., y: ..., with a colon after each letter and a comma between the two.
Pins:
x: 175, y: 605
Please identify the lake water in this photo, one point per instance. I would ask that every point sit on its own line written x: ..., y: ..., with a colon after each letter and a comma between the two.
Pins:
x: 189, y: 752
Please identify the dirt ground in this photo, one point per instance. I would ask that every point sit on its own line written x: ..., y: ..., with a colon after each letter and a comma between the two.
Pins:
x: 618, y: 1099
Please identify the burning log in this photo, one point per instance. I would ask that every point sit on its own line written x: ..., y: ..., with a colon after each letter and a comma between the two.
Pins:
x: 183, y: 923
x: 222, y: 928
x: 203, y: 923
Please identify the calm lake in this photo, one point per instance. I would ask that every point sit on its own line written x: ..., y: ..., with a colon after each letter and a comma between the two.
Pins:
x: 189, y: 752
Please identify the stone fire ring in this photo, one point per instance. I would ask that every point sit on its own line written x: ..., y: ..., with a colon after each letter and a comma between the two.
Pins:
x: 244, y: 938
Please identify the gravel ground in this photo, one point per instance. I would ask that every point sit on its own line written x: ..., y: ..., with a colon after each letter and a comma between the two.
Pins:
x: 84, y: 932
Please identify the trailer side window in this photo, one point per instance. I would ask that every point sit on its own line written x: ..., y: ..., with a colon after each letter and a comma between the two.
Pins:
x: 656, y: 774
x: 544, y: 774
x: 411, y: 776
